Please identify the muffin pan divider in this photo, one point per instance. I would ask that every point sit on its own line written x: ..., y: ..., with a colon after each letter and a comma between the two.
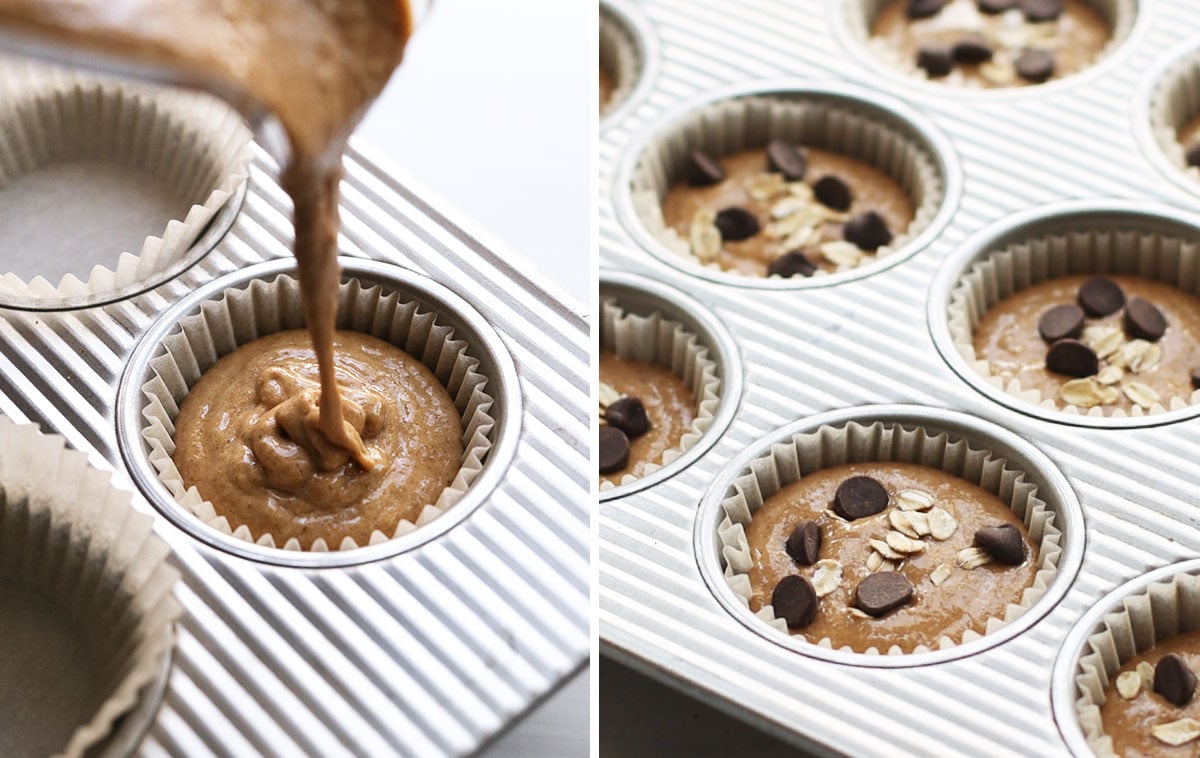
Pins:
x: 815, y: 348
x: 433, y: 651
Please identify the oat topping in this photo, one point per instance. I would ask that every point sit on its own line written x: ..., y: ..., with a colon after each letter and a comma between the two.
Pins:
x: 973, y: 557
x: 940, y: 574
x: 827, y: 577
x: 1177, y: 733
x: 1129, y: 684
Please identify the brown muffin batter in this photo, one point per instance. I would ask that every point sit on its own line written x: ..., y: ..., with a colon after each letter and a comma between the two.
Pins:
x: 1129, y: 722
x: 1007, y: 337
x: 965, y: 600
x: 247, y: 437
x: 669, y: 404
x: 606, y: 89
x: 1075, y: 39
x: 872, y: 190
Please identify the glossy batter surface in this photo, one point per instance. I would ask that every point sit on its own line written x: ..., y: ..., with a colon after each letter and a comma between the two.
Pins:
x: 669, y: 403
x: 965, y: 600
x: 1129, y: 722
x: 247, y: 437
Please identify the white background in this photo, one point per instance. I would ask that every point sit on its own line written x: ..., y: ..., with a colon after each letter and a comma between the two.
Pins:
x: 492, y: 109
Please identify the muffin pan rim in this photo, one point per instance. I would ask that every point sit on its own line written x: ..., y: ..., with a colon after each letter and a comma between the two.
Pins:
x: 503, y: 386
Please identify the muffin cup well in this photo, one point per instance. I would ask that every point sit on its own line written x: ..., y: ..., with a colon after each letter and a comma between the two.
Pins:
x: 1174, y: 101
x: 80, y: 562
x: 190, y: 151
x: 621, y: 57
x: 267, y: 306
x: 860, y: 125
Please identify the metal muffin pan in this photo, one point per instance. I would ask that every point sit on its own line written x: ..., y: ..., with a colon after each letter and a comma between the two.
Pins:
x: 432, y: 646
x: 870, y: 340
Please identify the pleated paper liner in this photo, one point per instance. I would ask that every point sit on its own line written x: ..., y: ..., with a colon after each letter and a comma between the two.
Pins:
x: 657, y: 339
x: 619, y: 58
x: 86, y: 603
x: 1174, y: 105
x: 1140, y: 253
x: 1140, y: 621
x: 105, y: 185
x: 831, y: 446
x: 861, y: 15
x: 838, y: 125
x: 266, y: 307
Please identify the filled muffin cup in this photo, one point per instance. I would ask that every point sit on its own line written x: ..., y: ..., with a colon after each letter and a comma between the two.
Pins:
x: 862, y: 126
x: 87, y: 600
x: 1068, y: 240
x: 1133, y: 619
x: 861, y: 15
x: 992, y: 459
x: 117, y: 185
x: 1173, y: 113
x: 622, y: 56
x: 240, y: 314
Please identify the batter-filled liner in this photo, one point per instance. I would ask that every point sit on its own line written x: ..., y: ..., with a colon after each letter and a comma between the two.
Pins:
x: 1175, y: 108
x: 620, y: 58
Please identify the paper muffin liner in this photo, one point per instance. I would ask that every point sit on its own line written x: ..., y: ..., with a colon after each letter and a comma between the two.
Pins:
x: 831, y: 446
x: 619, y: 57
x: 266, y: 307
x: 747, y: 123
x: 1171, y: 260
x: 1141, y: 620
x: 195, y: 145
x: 1175, y: 102
x: 657, y: 339
x: 861, y: 15
x: 68, y: 537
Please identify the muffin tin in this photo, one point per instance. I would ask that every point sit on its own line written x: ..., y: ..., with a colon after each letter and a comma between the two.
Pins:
x: 429, y: 644
x: 874, y: 343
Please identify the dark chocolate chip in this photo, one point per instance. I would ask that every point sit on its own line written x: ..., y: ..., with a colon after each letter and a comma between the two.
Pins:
x: 992, y: 7
x: 972, y: 48
x: 795, y: 263
x: 1072, y: 358
x: 1004, y: 543
x: 736, y: 224
x: 935, y: 58
x: 1174, y: 680
x: 832, y: 192
x: 1100, y: 297
x: 629, y: 415
x: 795, y: 601
x: 805, y: 543
x: 1034, y: 65
x: 1041, y: 10
x: 614, y: 449
x: 1143, y: 321
x: 883, y: 592
x: 1196, y: 378
x: 925, y: 8
x: 1061, y: 322
x: 1192, y: 154
x: 858, y: 497
x: 868, y: 230
x: 703, y: 170
x: 785, y: 158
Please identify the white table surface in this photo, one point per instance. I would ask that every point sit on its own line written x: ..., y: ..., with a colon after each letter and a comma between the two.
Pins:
x: 491, y: 109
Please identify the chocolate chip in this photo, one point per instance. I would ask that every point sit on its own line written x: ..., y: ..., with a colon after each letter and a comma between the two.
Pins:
x: 1143, y: 321
x: 935, y: 58
x: 869, y: 231
x: 805, y: 543
x: 1196, y: 378
x: 833, y: 193
x: 972, y: 48
x: 786, y: 158
x: 1192, y: 154
x: 883, y: 592
x: 1004, y: 543
x: 1034, y: 65
x: 1099, y: 297
x: 795, y: 601
x: 629, y: 415
x: 614, y: 449
x: 925, y: 8
x: 736, y: 224
x: 1060, y: 322
x: 1174, y: 680
x: 858, y: 497
x: 1072, y: 358
x: 703, y: 170
x: 992, y: 7
x: 1041, y: 10
x: 795, y: 263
